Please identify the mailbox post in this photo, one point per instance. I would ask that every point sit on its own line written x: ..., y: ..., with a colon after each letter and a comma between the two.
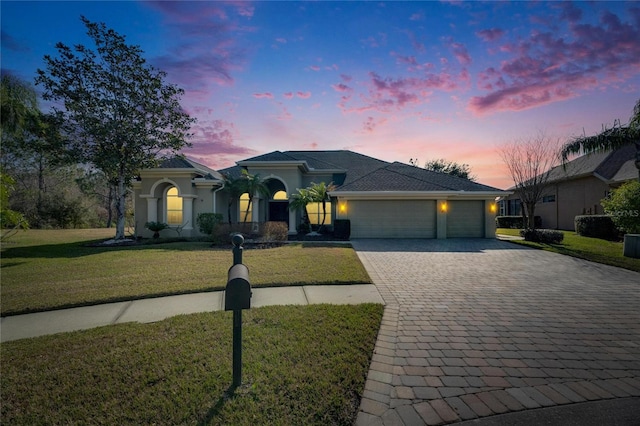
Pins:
x: 237, y: 297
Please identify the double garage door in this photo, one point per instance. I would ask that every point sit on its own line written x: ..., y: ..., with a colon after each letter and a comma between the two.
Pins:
x: 414, y: 219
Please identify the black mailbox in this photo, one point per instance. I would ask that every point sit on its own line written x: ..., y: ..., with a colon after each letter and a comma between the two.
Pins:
x: 238, y: 292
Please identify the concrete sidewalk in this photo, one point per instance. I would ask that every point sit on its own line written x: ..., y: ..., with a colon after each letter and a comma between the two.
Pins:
x: 159, y: 308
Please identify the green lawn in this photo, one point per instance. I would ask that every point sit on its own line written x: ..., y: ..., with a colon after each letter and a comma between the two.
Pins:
x: 593, y: 249
x: 302, y: 365
x: 44, y: 269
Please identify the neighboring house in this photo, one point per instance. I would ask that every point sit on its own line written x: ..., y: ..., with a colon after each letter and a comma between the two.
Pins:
x: 381, y: 199
x: 577, y: 187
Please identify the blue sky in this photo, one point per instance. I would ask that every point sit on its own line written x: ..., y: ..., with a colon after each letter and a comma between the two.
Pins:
x: 394, y: 80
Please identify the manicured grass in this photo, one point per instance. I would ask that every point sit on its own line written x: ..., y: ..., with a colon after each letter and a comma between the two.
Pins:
x: 593, y: 249
x: 52, y: 269
x: 302, y: 365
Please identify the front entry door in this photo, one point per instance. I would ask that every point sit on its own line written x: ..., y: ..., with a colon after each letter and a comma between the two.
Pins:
x: 279, y: 211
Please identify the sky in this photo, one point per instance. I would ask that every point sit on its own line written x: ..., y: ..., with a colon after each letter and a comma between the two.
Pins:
x: 393, y: 80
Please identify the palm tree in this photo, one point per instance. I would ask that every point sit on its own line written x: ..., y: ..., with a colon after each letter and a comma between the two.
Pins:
x: 234, y: 187
x: 320, y: 194
x: 253, y: 185
x: 609, y: 139
x: 300, y: 201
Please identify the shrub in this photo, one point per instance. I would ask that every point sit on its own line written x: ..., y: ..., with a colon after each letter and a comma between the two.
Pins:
x: 546, y: 236
x: 342, y: 229
x: 624, y: 207
x: 156, y: 227
x: 304, y: 228
x: 275, y: 231
x: 515, y: 222
x: 596, y: 226
x: 207, y: 222
x: 224, y: 232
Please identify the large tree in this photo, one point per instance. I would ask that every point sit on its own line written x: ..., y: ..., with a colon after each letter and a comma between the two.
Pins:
x: 451, y: 168
x: 529, y: 162
x: 609, y: 139
x: 119, y: 114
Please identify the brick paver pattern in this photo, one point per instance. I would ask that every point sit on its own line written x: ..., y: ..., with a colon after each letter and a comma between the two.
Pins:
x: 474, y: 328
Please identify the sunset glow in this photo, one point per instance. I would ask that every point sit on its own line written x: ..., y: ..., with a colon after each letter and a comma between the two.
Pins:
x: 393, y: 80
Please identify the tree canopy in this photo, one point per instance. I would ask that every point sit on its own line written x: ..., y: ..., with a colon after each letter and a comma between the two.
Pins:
x: 118, y: 113
x: 529, y: 162
x: 450, y: 167
x: 609, y: 139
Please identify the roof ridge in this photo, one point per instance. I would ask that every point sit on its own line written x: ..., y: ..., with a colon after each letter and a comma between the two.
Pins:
x: 415, y: 177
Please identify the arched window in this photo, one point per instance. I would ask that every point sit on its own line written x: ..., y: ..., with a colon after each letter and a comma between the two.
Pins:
x: 280, y: 195
x: 244, y: 203
x: 174, y: 207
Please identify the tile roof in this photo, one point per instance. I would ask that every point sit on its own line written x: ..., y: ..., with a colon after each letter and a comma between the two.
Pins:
x: 606, y: 165
x: 403, y: 177
x: 357, y: 172
x: 187, y: 163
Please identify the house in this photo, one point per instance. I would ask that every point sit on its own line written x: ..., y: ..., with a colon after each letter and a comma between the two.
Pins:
x: 577, y: 187
x: 380, y: 199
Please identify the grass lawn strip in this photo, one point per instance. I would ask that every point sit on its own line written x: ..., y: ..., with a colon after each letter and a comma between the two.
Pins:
x: 44, y: 270
x: 593, y: 249
x: 302, y: 365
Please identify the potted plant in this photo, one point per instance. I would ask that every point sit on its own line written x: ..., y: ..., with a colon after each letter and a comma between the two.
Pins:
x: 156, y: 227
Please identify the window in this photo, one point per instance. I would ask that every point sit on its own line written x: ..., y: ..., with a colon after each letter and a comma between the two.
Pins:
x: 174, y: 207
x: 314, y: 210
x: 244, y: 203
x: 280, y: 195
x: 549, y: 199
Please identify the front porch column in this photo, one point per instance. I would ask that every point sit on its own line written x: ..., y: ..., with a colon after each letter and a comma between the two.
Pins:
x: 292, y: 222
x: 187, y: 211
x: 441, y: 218
x: 152, y: 209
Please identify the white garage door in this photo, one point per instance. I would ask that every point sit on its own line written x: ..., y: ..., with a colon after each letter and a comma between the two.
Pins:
x: 465, y: 219
x: 392, y: 218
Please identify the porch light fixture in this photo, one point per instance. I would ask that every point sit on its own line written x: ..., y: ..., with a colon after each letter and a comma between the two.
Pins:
x: 493, y: 207
x: 443, y: 207
x: 343, y: 207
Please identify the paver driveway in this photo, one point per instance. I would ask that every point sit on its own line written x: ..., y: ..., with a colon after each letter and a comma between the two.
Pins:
x: 474, y: 328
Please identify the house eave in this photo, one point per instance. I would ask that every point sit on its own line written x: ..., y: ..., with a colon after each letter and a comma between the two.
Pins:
x: 276, y: 164
x: 419, y: 195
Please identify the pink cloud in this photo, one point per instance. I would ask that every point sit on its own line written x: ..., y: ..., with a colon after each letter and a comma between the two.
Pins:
x: 549, y: 67
x: 265, y: 95
x: 491, y: 34
x: 204, y: 48
x: 461, y: 53
x: 288, y: 95
x: 341, y: 87
x: 303, y: 95
x: 213, y: 142
x: 314, y: 68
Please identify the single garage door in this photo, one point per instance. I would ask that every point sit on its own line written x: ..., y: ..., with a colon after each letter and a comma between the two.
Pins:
x: 465, y: 219
x: 392, y: 218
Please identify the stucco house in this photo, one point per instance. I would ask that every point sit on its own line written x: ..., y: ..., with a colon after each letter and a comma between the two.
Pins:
x: 577, y: 187
x: 381, y: 199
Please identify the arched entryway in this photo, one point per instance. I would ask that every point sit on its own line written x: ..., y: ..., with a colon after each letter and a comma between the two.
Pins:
x: 278, y: 208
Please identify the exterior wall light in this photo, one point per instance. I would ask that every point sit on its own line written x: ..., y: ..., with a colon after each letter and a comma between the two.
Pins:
x: 493, y: 208
x: 443, y: 207
x: 343, y: 207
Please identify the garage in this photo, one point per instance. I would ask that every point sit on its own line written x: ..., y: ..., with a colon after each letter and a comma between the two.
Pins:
x: 465, y: 219
x: 392, y: 218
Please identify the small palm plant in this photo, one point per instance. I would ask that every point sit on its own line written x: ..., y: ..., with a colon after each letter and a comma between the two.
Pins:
x: 156, y: 227
x: 299, y: 201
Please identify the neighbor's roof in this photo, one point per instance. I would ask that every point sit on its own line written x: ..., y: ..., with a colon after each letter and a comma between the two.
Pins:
x: 610, y: 166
